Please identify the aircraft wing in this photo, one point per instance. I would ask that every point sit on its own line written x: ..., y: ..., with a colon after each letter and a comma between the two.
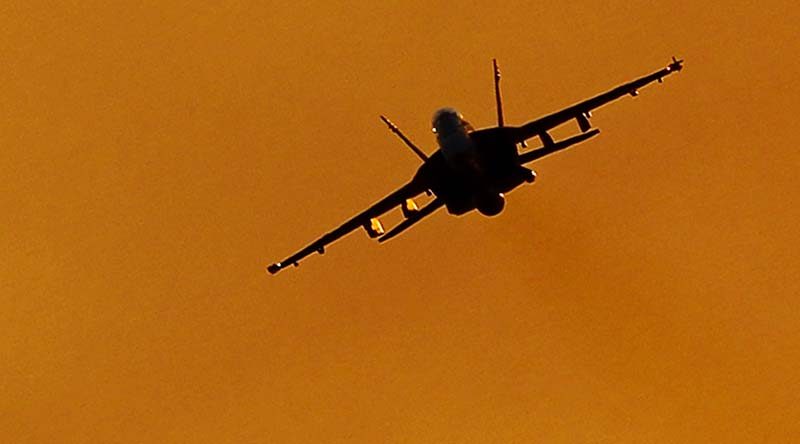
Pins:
x: 582, y: 111
x: 389, y: 202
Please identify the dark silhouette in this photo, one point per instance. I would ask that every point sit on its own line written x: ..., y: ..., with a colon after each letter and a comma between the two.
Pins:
x: 473, y: 168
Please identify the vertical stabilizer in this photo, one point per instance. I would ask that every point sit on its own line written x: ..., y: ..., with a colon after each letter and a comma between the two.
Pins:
x: 405, y: 139
x: 497, y: 96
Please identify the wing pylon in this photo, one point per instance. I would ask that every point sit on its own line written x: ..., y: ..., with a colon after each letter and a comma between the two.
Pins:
x: 411, y: 220
x: 552, y: 147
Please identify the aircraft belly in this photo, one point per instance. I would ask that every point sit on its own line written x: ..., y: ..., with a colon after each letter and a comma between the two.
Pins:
x: 459, y: 152
x: 460, y: 204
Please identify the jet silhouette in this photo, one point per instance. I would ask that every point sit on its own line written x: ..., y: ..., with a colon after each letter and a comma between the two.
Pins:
x: 472, y: 169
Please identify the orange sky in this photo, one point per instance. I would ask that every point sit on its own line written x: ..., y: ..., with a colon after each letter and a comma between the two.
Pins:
x: 156, y: 158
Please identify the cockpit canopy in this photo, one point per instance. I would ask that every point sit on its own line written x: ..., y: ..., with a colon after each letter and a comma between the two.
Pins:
x: 448, y: 120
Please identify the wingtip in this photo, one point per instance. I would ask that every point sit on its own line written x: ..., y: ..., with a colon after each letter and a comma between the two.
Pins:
x: 274, y: 268
x: 387, y: 122
x: 676, y: 65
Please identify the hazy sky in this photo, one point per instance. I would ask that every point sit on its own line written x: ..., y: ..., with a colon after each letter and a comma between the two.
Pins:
x: 156, y: 157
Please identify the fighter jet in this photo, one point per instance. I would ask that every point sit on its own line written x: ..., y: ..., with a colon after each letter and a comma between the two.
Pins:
x: 472, y: 169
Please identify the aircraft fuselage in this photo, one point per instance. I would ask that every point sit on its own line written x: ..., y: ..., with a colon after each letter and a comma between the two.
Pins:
x: 472, y: 169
